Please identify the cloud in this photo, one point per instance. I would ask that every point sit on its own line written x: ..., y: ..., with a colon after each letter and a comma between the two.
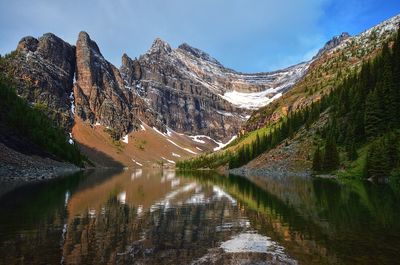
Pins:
x: 246, y: 35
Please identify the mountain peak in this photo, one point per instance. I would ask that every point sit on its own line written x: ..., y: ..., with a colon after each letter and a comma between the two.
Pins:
x: 28, y: 43
x: 160, y: 45
x: 198, y: 53
x: 85, y: 40
x: 333, y: 43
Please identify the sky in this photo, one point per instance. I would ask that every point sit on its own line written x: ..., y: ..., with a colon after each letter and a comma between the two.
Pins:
x: 245, y: 35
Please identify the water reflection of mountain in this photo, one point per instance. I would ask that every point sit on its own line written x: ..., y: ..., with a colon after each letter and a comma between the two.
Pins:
x: 159, y: 217
x: 321, y: 221
x: 160, y: 221
x: 32, y: 219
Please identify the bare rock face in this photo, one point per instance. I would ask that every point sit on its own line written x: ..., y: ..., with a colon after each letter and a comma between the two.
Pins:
x: 43, y: 70
x: 333, y: 43
x: 101, y: 95
x: 130, y: 69
x: 185, y: 105
x: 99, y: 92
x: 183, y: 88
x: 187, y: 87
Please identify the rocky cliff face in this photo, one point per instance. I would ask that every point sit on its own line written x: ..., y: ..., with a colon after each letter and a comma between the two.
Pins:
x: 44, y: 69
x: 185, y: 105
x: 195, y: 94
x: 333, y: 43
x: 99, y: 93
x: 340, y: 57
x: 184, y: 89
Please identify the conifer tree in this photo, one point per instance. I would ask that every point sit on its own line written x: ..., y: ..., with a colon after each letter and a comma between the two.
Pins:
x: 331, y: 155
x: 376, y: 164
x: 317, y: 160
x: 373, y: 115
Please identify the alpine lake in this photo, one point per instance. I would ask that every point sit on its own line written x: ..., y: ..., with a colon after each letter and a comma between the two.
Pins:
x: 155, y: 216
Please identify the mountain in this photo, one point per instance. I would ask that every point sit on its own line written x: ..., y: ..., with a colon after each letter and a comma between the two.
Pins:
x: 333, y: 43
x: 343, y: 107
x: 44, y: 70
x: 195, y: 94
x: 340, y: 57
x: 182, y: 99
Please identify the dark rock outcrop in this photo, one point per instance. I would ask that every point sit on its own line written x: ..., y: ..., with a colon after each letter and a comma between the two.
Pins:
x: 186, y: 86
x: 99, y: 93
x: 186, y: 105
x: 43, y: 70
x: 198, y: 53
x: 333, y: 43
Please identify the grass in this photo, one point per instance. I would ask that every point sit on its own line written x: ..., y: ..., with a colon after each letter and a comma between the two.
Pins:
x: 355, y: 169
x: 248, y: 138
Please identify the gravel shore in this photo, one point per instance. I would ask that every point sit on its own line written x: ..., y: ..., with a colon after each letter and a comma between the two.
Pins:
x: 18, y: 167
x: 268, y: 172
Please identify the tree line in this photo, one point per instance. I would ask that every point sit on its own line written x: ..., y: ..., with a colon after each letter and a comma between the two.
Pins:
x: 32, y: 123
x: 283, y: 129
x: 363, y: 110
x: 366, y: 111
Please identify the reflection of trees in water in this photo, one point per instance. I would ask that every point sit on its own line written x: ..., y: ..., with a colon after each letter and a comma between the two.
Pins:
x: 318, y: 217
x: 317, y: 221
x: 164, y: 236
x: 31, y: 221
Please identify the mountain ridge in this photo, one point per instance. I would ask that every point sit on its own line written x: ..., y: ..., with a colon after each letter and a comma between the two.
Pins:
x: 166, y: 89
x: 182, y: 89
x: 293, y: 116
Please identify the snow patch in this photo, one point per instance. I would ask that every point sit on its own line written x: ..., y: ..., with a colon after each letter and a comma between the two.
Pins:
x: 251, y: 101
x: 222, y: 145
x: 169, y: 161
x: 169, y: 132
x: 137, y: 163
x: 198, y: 148
x: 197, y: 138
x: 70, y: 140
x: 159, y: 132
x: 176, y: 155
x: 225, y: 113
x: 183, y: 148
x: 72, y: 99
x: 125, y: 139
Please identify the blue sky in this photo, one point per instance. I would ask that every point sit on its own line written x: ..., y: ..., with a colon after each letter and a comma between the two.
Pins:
x: 245, y: 35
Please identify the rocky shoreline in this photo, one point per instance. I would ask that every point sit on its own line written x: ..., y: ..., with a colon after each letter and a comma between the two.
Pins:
x: 18, y: 167
x: 268, y: 172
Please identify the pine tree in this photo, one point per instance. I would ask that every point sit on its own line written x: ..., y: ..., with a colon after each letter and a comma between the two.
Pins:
x: 373, y: 115
x: 331, y: 155
x: 386, y: 85
x: 376, y: 165
x: 351, y: 151
x: 350, y: 143
x: 317, y: 160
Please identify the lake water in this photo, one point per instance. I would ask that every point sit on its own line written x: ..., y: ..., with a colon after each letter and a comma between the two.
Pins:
x: 164, y: 217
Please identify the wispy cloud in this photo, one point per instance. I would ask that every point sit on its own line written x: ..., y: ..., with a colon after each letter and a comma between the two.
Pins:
x: 247, y: 35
